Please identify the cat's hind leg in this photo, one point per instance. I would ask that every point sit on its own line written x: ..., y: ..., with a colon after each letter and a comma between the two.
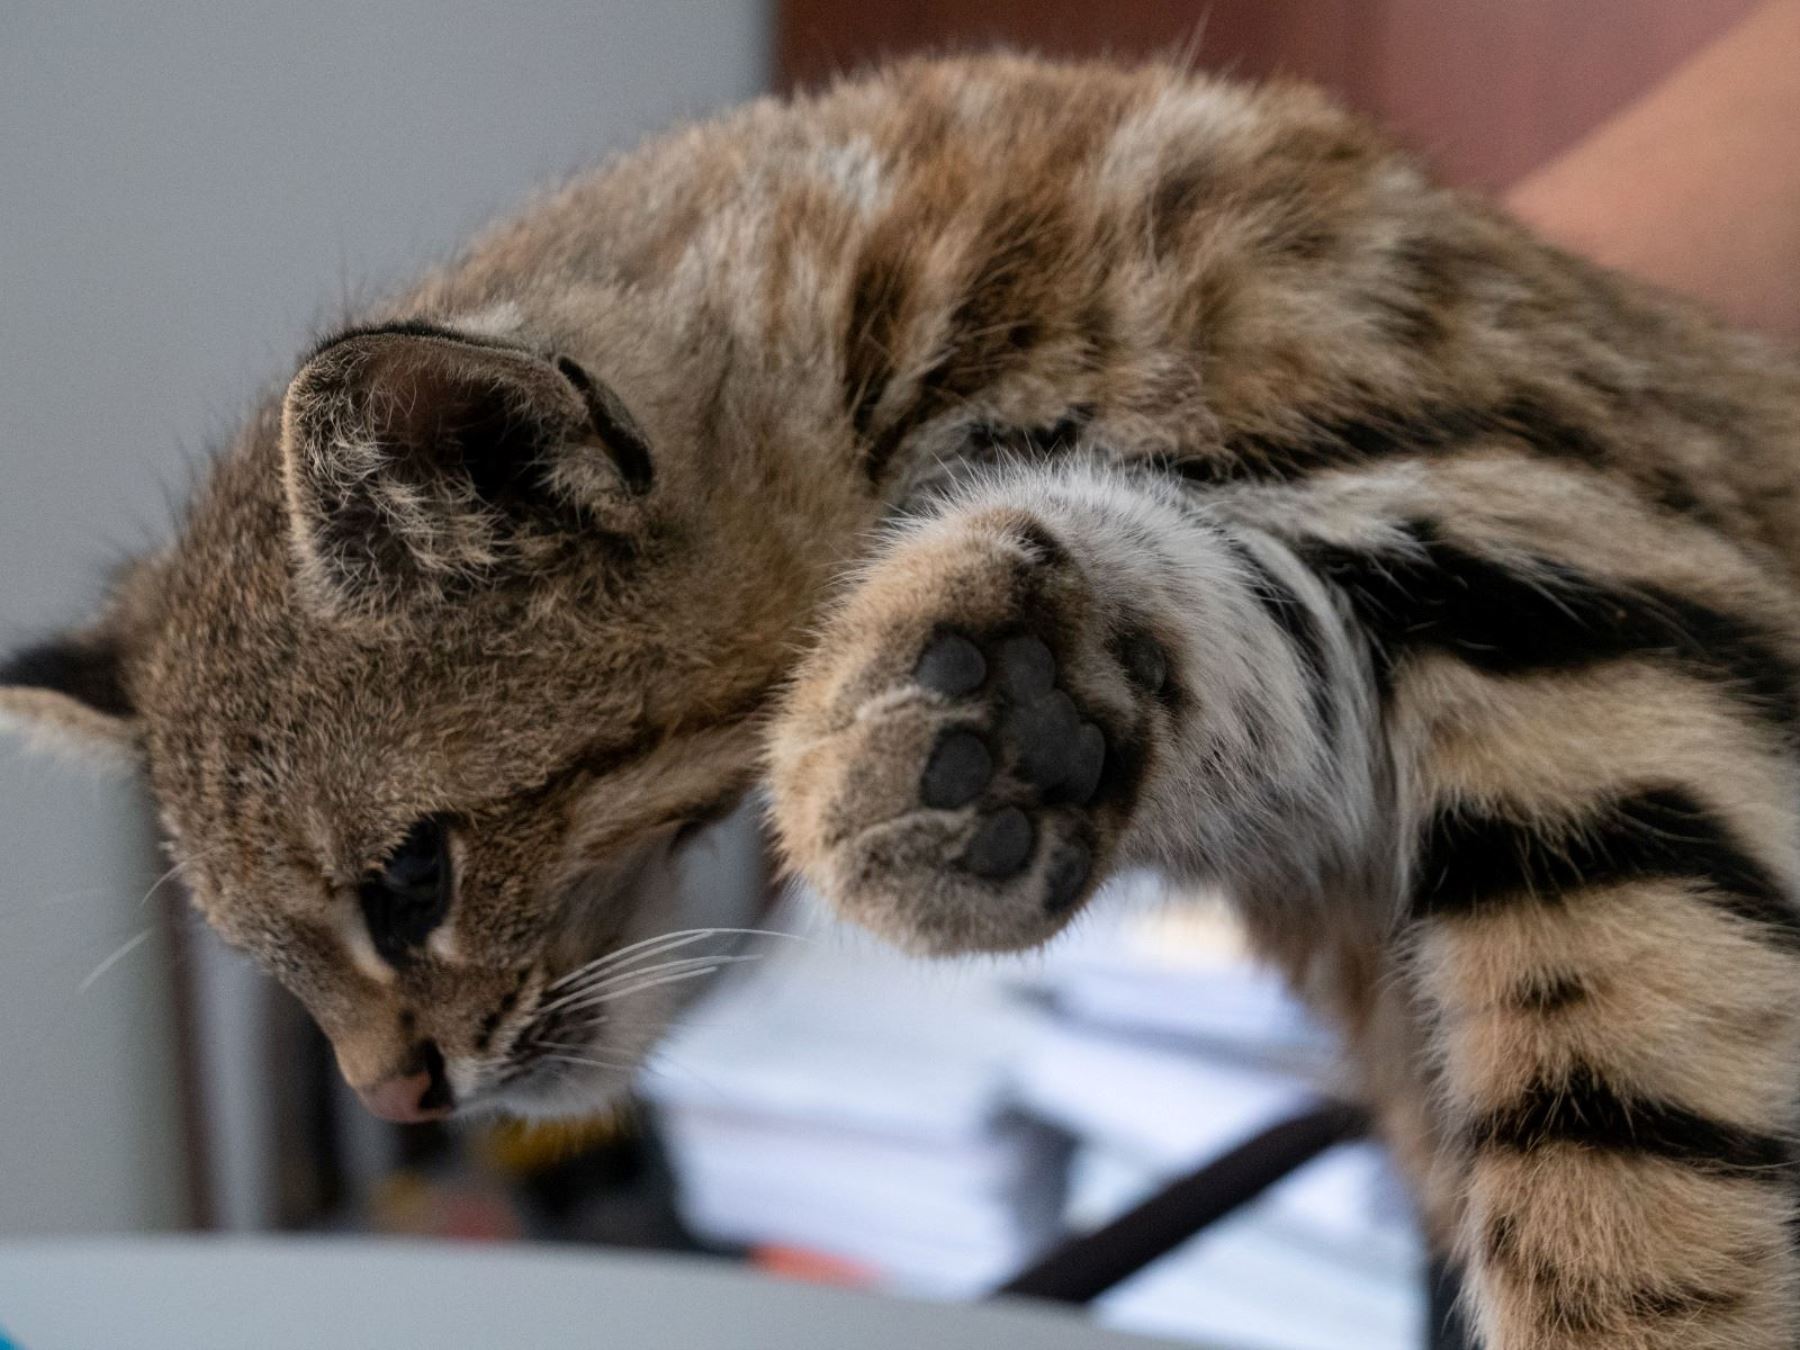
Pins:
x: 1609, y: 979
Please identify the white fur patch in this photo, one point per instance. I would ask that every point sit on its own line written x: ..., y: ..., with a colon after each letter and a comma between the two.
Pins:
x: 51, y: 723
x: 502, y: 319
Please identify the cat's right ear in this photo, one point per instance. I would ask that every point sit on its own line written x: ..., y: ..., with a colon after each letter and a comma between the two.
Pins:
x: 421, y: 465
x: 70, y: 694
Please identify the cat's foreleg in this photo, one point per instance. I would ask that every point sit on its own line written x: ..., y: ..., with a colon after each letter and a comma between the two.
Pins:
x: 1051, y: 673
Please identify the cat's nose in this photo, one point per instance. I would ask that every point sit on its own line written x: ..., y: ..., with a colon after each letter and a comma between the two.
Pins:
x: 402, y: 1099
x: 411, y: 1098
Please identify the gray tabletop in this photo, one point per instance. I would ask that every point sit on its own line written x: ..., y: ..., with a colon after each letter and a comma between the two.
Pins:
x: 323, y: 1293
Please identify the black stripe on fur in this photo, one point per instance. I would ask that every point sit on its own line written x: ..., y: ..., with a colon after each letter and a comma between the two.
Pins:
x: 988, y: 439
x: 1285, y: 606
x: 1014, y: 295
x: 1567, y: 1302
x: 1343, y: 442
x: 1507, y: 619
x: 620, y: 434
x: 1583, y: 1109
x: 84, y: 670
x: 1471, y: 861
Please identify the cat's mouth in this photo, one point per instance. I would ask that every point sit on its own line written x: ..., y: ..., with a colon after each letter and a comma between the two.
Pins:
x: 592, y: 1030
x: 585, y: 1033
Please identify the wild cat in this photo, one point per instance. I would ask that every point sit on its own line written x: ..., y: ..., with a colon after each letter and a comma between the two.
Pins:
x: 1030, y: 470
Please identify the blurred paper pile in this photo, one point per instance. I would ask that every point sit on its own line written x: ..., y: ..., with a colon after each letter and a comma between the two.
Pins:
x: 844, y: 1101
x: 1162, y: 1046
x: 935, y: 1126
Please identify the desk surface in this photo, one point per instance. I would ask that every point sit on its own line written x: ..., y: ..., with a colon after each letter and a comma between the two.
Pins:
x: 322, y: 1293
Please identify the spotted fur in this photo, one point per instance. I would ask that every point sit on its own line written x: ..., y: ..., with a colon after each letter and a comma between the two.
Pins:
x: 1031, y: 470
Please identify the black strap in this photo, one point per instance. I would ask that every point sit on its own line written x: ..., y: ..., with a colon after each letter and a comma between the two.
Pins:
x: 1446, y: 1328
x: 1081, y: 1270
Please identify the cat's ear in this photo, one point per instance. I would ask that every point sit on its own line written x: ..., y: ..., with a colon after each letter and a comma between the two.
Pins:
x: 69, y: 693
x: 420, y: 464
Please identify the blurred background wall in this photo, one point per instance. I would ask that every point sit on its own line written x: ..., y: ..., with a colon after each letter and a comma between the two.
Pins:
x: 186, y: 191
x: 1488, y: 89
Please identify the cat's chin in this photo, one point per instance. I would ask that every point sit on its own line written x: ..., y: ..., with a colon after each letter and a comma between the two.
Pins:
x: 550, y: 1094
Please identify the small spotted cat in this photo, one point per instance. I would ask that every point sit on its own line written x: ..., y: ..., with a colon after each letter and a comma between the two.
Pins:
x: 1027, y: 471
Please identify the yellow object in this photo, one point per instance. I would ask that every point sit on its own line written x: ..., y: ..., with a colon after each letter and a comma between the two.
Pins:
x: 525, y: 1146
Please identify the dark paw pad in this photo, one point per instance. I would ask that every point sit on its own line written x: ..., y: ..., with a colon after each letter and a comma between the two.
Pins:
x: 1043, y: 736
x: 1023, y: 756
x: 951, y: 665
x: 1146, y: 662
x: 1027, y: 669
x: 1067, y: 874
x: 1002, y: 846
x: 958, y: 770
x: 1086, y: 763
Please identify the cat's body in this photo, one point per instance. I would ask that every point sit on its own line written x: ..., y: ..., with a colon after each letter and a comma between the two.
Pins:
x: 1266, y: 514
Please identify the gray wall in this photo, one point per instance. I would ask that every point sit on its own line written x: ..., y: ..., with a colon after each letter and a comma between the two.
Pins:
x: 185, y: 189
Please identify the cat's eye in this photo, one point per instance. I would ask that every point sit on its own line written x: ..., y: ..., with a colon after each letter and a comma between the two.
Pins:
x: 409, y: 894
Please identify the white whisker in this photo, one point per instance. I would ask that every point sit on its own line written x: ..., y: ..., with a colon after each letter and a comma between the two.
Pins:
x: 608, y: 989
x: 125, y: 949
x: 664, y: 967
x: 659, y: 1062
x: 642, y: 949
x: 606, y: 979
x: 589, y: 1063
x: 648, y: 947
x: 157, y: 885
x: 596, y: 962
x: 174, y: 871
x: 614, y: 995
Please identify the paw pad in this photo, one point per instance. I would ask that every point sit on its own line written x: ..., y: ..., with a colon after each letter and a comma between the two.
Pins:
x: 1145, y: 661
x: 1024, y: 759
x: 1085, y: 764
x: 957, y: 772
x: 1002, y: 846
x: 1067, y: 875
x: 951, y: 665
x: 1027, y: 668
x: 973, y: 751
x: 1043, y: 734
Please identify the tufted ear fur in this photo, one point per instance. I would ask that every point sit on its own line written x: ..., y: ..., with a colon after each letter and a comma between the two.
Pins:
x: 70, y: 693
x: 420, y: 463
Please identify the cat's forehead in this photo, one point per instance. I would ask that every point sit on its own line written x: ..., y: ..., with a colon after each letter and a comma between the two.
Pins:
x: 247, y: 706
x: 254, y: 704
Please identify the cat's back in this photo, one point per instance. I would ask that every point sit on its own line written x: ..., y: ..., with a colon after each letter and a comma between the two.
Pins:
x: 1196, y: 266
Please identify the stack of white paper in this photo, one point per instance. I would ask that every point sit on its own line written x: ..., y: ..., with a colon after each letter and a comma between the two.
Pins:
x: 845, y: 1100
x: 1164, y: 1047
x: 915, y: 1119
x: 1154, y: 965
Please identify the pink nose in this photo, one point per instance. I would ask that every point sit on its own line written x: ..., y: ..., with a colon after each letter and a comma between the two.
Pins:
x: 402, y: 1099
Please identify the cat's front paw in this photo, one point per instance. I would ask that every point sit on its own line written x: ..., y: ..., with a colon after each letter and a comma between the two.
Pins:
x: 959, y: 756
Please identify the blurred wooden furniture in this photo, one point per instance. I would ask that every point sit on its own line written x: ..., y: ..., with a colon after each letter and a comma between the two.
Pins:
x: 1487, y: 90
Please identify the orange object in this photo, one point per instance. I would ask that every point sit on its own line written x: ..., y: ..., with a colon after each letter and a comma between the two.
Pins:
x: 811, y: 1267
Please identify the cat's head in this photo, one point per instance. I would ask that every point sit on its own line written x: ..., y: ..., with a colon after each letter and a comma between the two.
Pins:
x: 448, y: 661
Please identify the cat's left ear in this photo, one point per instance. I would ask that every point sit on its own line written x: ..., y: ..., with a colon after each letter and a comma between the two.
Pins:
x: 70, y: 693
x: 421, y: 465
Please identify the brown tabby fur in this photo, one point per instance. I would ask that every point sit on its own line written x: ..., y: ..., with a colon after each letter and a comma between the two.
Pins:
x: 1150, y: 315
